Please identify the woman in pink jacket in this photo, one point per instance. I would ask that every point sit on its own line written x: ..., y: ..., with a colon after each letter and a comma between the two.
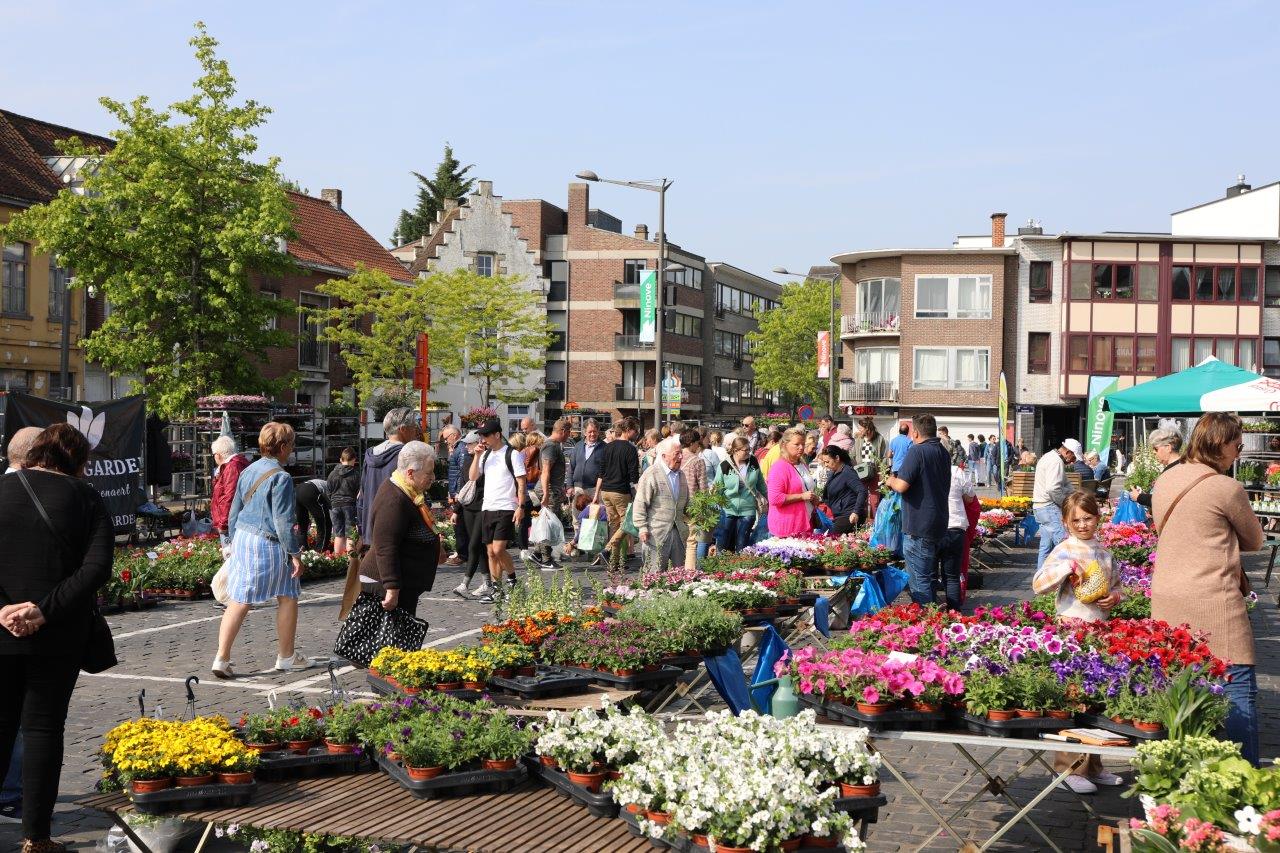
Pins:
x: 791, y: 497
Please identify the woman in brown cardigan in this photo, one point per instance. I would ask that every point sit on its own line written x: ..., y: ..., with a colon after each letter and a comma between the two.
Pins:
x: 404, y: 548
x: 1198, y: 578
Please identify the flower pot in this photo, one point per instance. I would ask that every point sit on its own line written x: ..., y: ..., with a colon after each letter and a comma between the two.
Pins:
x: 301, y: 747
x: 624, y: 673
x: 339, y: 748
x: 194, y: 781
x: 1144, y: 726
x: 1028, y: 714
x: 1120, y: 720
x: 375, y: 672
x: 632, y: 808
x: 265, y: 747
x: 925, y: 707
x: 701, y: 840
x: 236, y: 777
x: 527, y: 671
x: 150, y: 786
x: 769, y: 611
x: 591, y: 781
x: 792, y: 843
x: 874, y: 709
x: 499, y: 763
x: 412, y: 691
x: 422, y: 774
x: 724, y: 848
x: 660, y: 818
x: 1058, y: 714
x: 392, y: 755
x: 445, y: 686
x: 847, y: 790
x: 825, y: 841
x: 473, y: 685
x: 548, y: 761
x: 612, y: 775
x: 999, y: 716
x: 503, y: 672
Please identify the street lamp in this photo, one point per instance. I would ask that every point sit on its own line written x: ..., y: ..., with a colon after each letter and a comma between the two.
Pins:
x: 659, y: 186
x: 831, y: 344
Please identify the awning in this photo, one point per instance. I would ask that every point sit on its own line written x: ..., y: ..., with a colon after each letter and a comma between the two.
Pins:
x: 1210, y: 386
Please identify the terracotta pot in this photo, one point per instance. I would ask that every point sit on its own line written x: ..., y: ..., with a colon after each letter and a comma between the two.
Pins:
x: 412, y: 691
x: 1058, y: 714
x: 150, y: 786
x: 591, y: 781
x: 375, y: 672
x: 612, y: 775
x: 393, y: 756
x: 847, y: 790
x: 194, y: 781
x: 444, y: 686
x: 1121, y: 720
x: 473, y: 685
x: 724, y: 848
x: 925, y: 707
x: 701, y: 840
x: 548, y: 761
x: 792, y: 843
x: 265, y: 747
x: 339, y: 748
x: 874, y: 709
x: 499, y: 764
x: 503, y: 672
x: 825, y: 841
x: 422, y: 774
x: 301, y: 747
x: 660, y: 818
x: 236, y: 777
x: 624, y: 673
x: 527, y: 670
x: 632, y: 808
x: 769, y: 611
x: 1144, y: 726
x: 999, y: 716
x: 1028, y: 714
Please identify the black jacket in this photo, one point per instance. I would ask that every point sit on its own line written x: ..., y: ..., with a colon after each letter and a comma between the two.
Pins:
x: 344, y: 485
x: 619, y: 467
x: 845, y: 494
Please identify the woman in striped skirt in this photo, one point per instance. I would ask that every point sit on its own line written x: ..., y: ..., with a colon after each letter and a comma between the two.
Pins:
x: 264, y: 560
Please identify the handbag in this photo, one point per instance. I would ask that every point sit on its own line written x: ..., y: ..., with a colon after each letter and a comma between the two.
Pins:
x: 593, y: 534
x: 467, y: 494
x: 369, y: 629
x: 218, y: 585
x: 100, y: 647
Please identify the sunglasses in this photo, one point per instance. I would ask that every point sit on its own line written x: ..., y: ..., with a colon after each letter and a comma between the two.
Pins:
x: 1240, y: 447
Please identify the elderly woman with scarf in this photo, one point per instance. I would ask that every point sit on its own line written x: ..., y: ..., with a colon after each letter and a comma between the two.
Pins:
x: 404, y: 550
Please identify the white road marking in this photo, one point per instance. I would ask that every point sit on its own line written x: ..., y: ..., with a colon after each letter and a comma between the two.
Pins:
x: 213, y: 681
x: 450, y: 638
x: 127, y: 634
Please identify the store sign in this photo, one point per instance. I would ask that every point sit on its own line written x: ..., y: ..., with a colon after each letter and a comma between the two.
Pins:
x: 672, y: 394
x: 824, y: 354
x: 648, y: 305
x: 1098, y: 421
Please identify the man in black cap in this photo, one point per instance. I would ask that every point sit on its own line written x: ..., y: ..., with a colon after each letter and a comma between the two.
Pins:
x: 501, y: 510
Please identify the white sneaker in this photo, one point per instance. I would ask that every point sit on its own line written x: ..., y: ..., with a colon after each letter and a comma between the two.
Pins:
x: 485, y: 588
x: 526, y: 554
x: 1106, y: 779
x: 298, y: 662
x: 1080, y: 785
x: 461, y: 590
x: 222, y: 668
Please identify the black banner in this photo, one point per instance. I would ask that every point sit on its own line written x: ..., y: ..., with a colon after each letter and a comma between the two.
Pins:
x: 115, y: 430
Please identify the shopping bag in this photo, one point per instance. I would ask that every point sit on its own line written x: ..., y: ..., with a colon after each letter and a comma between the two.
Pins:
x: 546, y: 529
x: 194, y: 525
x: 369, y: 629
x: 887, y: 531
x: 1128, y: 511
x: 219, y: 583
x: 593, y: 534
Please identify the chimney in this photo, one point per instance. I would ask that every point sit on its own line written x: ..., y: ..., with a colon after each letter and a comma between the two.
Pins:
x: 642, y: 232
x: 997, y: 230
x: 333, y: 196
x: 1240, y: 187
x: 486, y: 189
x: 579, y: 203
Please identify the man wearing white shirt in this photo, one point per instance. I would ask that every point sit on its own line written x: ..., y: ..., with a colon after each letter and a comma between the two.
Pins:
x: 1051, y: 489
x: 501, y: 511
x: 955, y: 542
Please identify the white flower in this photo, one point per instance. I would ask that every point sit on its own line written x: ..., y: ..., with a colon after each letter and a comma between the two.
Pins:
x: 1249, y: 820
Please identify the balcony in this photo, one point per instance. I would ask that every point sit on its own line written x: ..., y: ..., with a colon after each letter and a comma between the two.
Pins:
x: 626, y: 295
x: 869, y: 323
x: 555, y: 389
x: 629, y: 393
x: 558, y: 291
x: 868, y: 392
x: 629, y: 348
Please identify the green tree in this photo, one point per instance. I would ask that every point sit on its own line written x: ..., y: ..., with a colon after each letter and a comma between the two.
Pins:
x: 786, y: 344
x: 172, y: 225
x: 450, y: 182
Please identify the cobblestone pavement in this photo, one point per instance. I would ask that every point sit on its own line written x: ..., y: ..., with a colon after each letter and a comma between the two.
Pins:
x: 160, y: 648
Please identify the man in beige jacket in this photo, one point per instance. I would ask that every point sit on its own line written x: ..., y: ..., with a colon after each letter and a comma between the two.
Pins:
x: 658, y: 509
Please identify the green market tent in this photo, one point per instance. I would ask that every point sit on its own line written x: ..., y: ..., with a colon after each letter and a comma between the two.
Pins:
x: 1211, y: 386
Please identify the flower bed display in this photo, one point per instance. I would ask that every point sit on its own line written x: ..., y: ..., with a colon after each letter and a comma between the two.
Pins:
x: 147, y: 755
x: 816, y: 553
x: 530, y: 631
x: 323, y: 564
x: 428, y: 669
x: 1011, y: 503
x: 181, y: 567
x: 872, y: 680
x: 994, y: 521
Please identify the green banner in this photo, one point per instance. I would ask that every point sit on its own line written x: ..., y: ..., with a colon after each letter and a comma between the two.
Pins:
x: 1004, y: 419
x: 1098, y: 420
x: 648, y: 305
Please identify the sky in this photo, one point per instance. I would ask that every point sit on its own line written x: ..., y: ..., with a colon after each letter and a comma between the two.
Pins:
x: 792, y: 132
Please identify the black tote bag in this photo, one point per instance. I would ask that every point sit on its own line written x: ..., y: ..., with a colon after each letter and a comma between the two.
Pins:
x: 369, y: 629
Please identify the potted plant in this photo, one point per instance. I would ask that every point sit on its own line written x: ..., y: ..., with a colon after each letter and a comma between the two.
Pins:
x: 1249, y: 473
x: 859, y: 774
x: 237, y: 768
x: 261, y: 732
x: 300, y: 730
x: 502, y: 741
x: 426, y: 751
x: 1028, y: 688
x: 340, y: 727
x: 988, y: 695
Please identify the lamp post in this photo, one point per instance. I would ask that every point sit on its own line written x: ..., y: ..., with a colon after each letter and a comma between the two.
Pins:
x: 831, y: 344
x: 659, y: 186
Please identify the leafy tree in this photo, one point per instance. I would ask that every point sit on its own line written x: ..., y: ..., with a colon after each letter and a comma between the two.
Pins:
x: 487, y: 329
x: 786, y: 344
x: 450, y: 182
x: 173, y: 224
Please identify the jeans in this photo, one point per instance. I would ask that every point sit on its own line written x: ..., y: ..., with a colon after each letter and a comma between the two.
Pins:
x: 921, y: 554
x: 477, y: 554
x: 1051, y: 531
x: 461, y: 537
x: 37, y: 692
x: 1242, y: 714
x: 951, y: 550
x: 734, y: 532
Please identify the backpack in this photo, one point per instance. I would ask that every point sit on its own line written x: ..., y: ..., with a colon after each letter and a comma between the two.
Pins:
x: 510, y: 468
x: 532, y: 468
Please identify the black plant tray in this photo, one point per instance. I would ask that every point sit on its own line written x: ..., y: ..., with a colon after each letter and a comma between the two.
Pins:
x: 861, y: 808
x: 1026, y: 727
x: 456, y: 782
x: 383, y: 687
x: 198, y: 797
x: 1101, y: 722
x: 661, y: 675
x: 686, y: 661
x: 897, y: 719
x: 549, y: 681
x: 600, y: 805
x: 283, y: 764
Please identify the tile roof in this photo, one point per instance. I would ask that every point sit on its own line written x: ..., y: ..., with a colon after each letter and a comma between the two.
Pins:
x: 329, y: 237
x: 23, y: 173
x: 42, y: 135
x: 428, y: 252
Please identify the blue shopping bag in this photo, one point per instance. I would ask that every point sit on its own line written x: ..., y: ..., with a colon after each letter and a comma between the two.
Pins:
x: 824, y: 521
x: 1129, y: 511
x: 892, y: 581
x: 887, y: 530
x: 761, y: 531
x: 772, y: 648
x: 869, y: 598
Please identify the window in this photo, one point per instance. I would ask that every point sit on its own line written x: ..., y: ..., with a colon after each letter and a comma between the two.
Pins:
x: 1181, y: 282
x: 14, y: 380
x: 1081, y: 281
x: 1248, y: 284
x: 273, y: 322
x: 964, y: 297
x: 57, y: 291
x: 1038, y: 352
x: 694, y: 278
x: 1102, y: 281
x: 484, y: 264
x: 1124, y: 356
x: 682, y: 324
x: 1204, y: 283
x: 961, y: 368
x: 15, y: 278
x: 1247, y: 354
x: 690, y: 375
x: 1078, y: 354
x: 1147, y: 354
x: 1224, y: 284
x: 1271, y: 357
x: 1226, y: 290
x: 631, y: 270
x: 1272, y: 287
x: 1115, y: 281
x: 56, y: 391
x: 876, y: 364
x: 1179, y: 354
x: 1201, y: 348
x: 557, y: 274
x: 313, y: 352
x: 633, y: 380
x: 1102, y: 362
x: 729, y: 345
x: 878, y: 300
x: 1041, y: 281
x: 559, y: 341
x: 1149, y: 283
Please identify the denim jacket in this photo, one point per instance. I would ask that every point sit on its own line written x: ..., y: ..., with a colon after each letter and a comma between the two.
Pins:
x: 271, y: 511
x: 459, y: 462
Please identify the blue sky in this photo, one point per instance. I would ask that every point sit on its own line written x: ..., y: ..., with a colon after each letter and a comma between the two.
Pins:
x: 792, y: 131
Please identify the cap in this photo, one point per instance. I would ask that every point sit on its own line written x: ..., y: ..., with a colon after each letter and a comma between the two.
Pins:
x: 471, y: 437
x: 1074, y: 446
x: 491, y: 426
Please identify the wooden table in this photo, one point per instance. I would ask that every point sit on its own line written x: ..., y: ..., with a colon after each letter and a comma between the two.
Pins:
x: 374, y: 806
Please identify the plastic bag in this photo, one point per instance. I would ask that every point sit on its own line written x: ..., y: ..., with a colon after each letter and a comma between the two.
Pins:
x: 193, y: 525
x: 546, y: 529
x: 887, y: 531
x: 593, y: 532
x: 1128, y: 511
